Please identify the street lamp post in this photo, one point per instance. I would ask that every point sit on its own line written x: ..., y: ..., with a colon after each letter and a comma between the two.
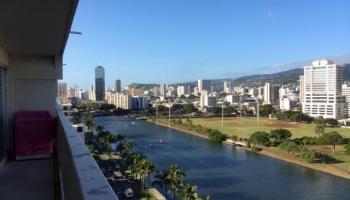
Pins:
x: 169, y: 115
x: 258, y: 110
x: 157, y: 113
x: 222, y: 114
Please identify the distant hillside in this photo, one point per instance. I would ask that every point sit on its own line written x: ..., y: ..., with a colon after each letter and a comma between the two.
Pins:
x: 280, y: 78
x: 143, y: 86
x: 284, y: 77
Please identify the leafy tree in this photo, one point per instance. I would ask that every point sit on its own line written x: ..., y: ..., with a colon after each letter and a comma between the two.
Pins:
x: 216, y: 136
x: 280, y: 134
x: 320, y: 125
x: 178, y: 108
x: 331, y: 122
x: 121, y: 111
x: 306, y: 140
x: 289, y: 146
x: 188, y: 123
x: 189, y: 108
x: 107, y: 107
x: 267, y: 109
x: 230, y: 109
x: 215, y: 110
x: 332, y: 138
x: 295, y: 116
x: 89, y: 106
x: 234, y: 137
x: 307, y: 154
x: 347, y: 148
x: 259, y: 138
x: 162, y: 108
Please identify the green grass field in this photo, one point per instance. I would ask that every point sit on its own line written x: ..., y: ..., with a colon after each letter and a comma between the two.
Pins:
x: 245, y: 126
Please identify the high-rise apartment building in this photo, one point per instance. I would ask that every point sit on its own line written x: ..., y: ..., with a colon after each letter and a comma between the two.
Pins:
x: 121, y: 101
x: 117, y: 86
x: 346, y: 94
x: 155, y: 91
x: 82, y: 94
x: 92, y: 96
x: 162, y: 90
x: 301, y: 88
x: 134, y: 92
x: 71, y: 92
x: 322, y: 90
x: 207, y: 101
x: 228, y: 87
x: 62, y: 90
x: 271, y: 94
x: 182, y: 90
x: 139, y: 103
x: 100, y: 83
x: 204, y: 85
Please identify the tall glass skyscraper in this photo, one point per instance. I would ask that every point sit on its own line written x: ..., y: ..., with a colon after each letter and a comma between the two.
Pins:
x: 100, y: 83
x: 117, y: 87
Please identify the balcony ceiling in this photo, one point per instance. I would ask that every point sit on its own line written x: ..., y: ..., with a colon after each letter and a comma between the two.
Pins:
x: 35, y: 27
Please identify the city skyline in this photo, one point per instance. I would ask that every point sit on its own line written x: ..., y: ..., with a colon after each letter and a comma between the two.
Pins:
x: 183, y: 41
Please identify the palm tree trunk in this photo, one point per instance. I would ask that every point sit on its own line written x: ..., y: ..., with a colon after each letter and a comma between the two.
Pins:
x: 166, y: 192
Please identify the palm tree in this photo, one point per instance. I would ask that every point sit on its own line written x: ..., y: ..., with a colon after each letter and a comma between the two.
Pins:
x: 149, y: 168
x: 99, y: 128
x: 145, y: 168
x: 190, y: 192
x: 120, y: 138
x: 176, y: 176
x: 135, y: 163
x: 126, y: 147
x: 162, y: 180
x: 106, y: 138
x: 89, y: 122
x: 91, y: 149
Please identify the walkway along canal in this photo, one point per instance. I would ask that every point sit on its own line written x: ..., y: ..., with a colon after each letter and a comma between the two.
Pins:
x: 225, y: 172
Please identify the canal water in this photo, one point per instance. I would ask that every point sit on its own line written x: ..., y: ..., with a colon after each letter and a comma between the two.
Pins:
x: 226, y: 172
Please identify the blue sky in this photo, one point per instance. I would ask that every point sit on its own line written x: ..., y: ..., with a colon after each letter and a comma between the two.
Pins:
x: 155, y: 41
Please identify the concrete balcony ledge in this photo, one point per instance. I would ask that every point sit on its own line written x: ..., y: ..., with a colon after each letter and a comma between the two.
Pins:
x: 80, y: 175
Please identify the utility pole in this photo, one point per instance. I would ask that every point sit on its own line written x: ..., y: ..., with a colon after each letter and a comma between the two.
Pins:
x: 169, y: 115
x: 222, y: 114
x: 241, y: 106
x: 157, y: 113
x: 258, y: 110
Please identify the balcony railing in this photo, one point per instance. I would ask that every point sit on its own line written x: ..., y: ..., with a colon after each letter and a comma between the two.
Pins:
x: 79, y: 174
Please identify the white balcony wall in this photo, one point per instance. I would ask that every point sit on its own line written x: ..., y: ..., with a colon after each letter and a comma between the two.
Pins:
x: 33, y: 83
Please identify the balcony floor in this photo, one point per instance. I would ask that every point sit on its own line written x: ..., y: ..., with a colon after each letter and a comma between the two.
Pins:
x: 32, y: 179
